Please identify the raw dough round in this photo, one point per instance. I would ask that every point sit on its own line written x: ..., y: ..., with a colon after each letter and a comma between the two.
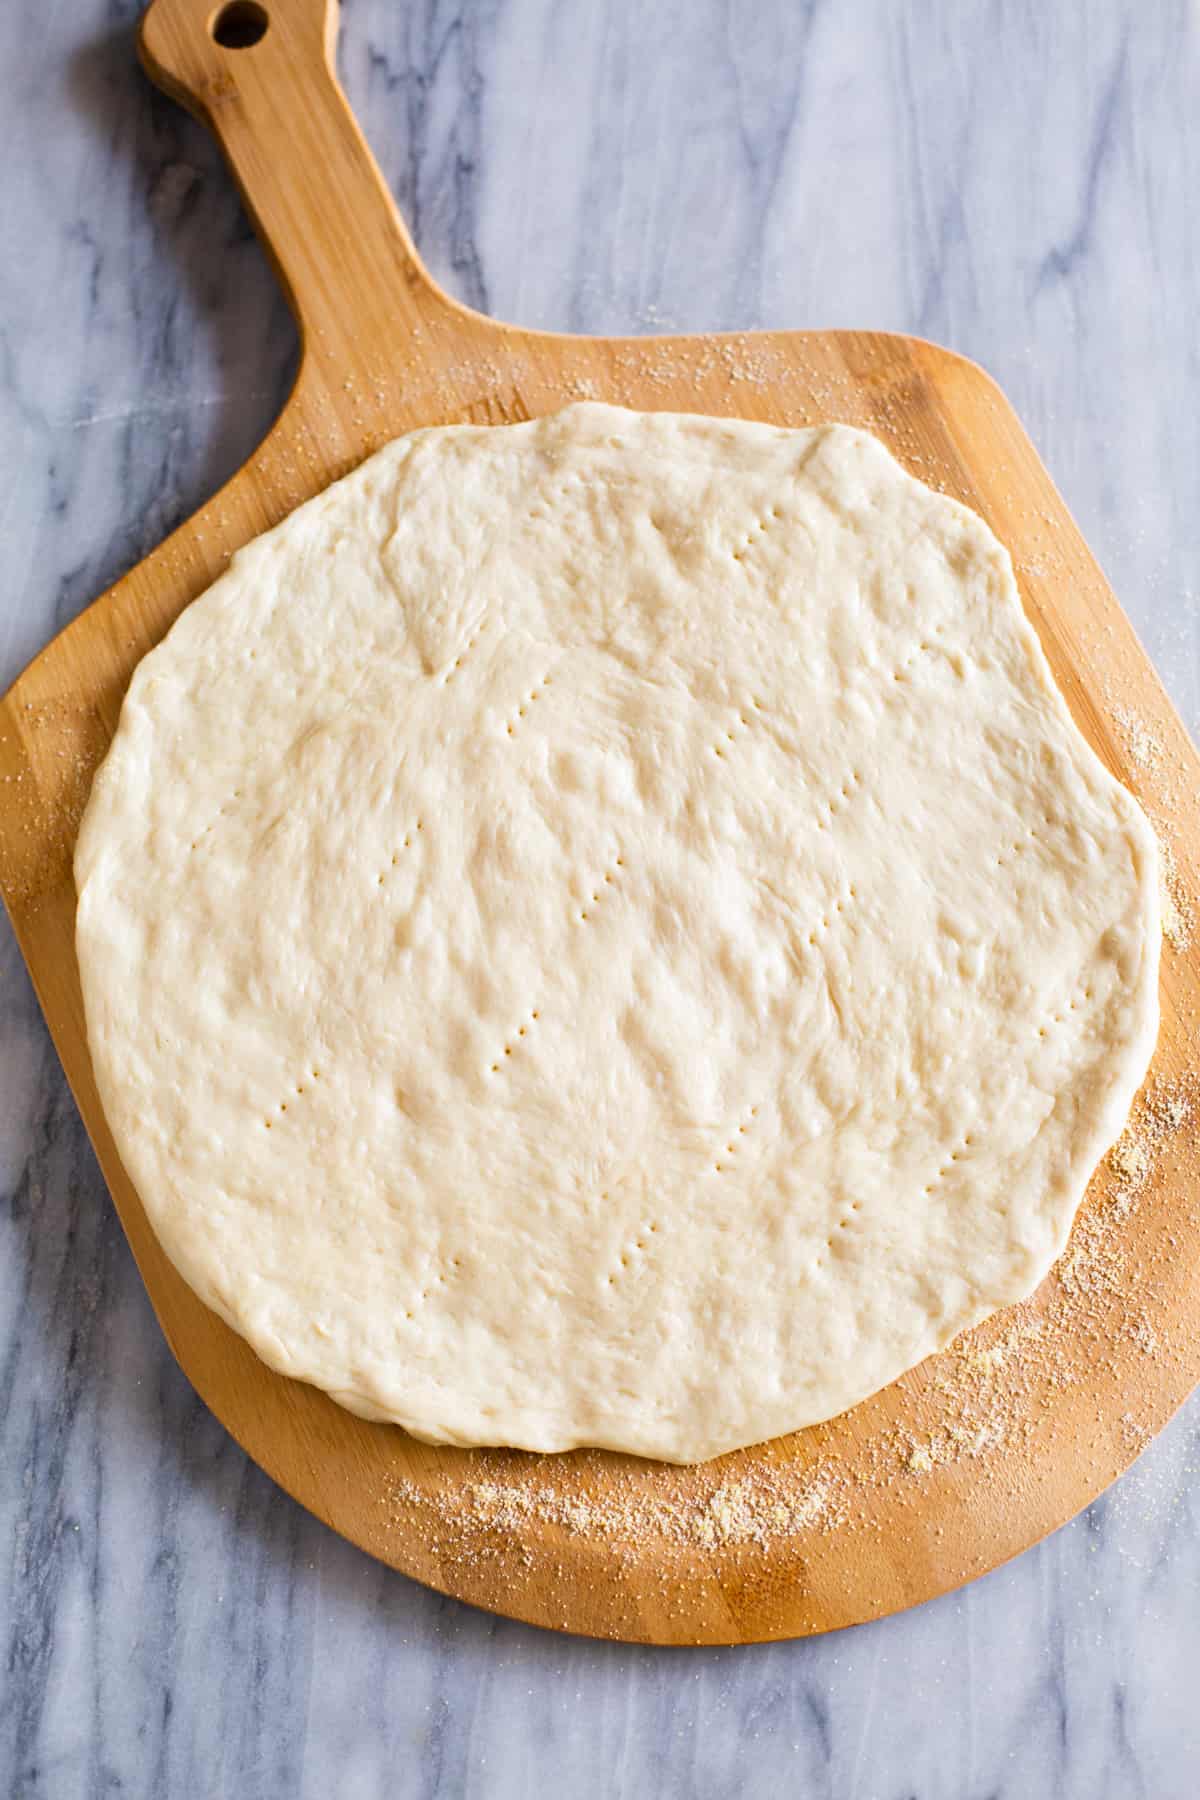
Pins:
x: 603, y: 931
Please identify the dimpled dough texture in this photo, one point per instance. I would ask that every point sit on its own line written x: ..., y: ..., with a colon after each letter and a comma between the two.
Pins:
x: 603, y: 931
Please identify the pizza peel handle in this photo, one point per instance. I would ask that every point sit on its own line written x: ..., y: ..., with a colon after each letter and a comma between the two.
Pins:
x: 260, y: 74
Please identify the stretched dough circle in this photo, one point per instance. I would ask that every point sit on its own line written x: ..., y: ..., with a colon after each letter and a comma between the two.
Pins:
x: 604, y: 931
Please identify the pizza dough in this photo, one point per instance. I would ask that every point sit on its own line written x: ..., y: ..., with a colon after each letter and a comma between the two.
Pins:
x: 603, y: 931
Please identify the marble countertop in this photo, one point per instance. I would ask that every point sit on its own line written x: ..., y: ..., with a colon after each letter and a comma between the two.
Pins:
x: 1019, y: 182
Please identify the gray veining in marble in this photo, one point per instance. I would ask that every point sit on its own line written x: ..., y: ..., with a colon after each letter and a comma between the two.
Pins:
x: 1017, y: 178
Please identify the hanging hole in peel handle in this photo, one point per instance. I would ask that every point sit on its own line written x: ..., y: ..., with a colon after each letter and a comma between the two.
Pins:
x: 240, y: 24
